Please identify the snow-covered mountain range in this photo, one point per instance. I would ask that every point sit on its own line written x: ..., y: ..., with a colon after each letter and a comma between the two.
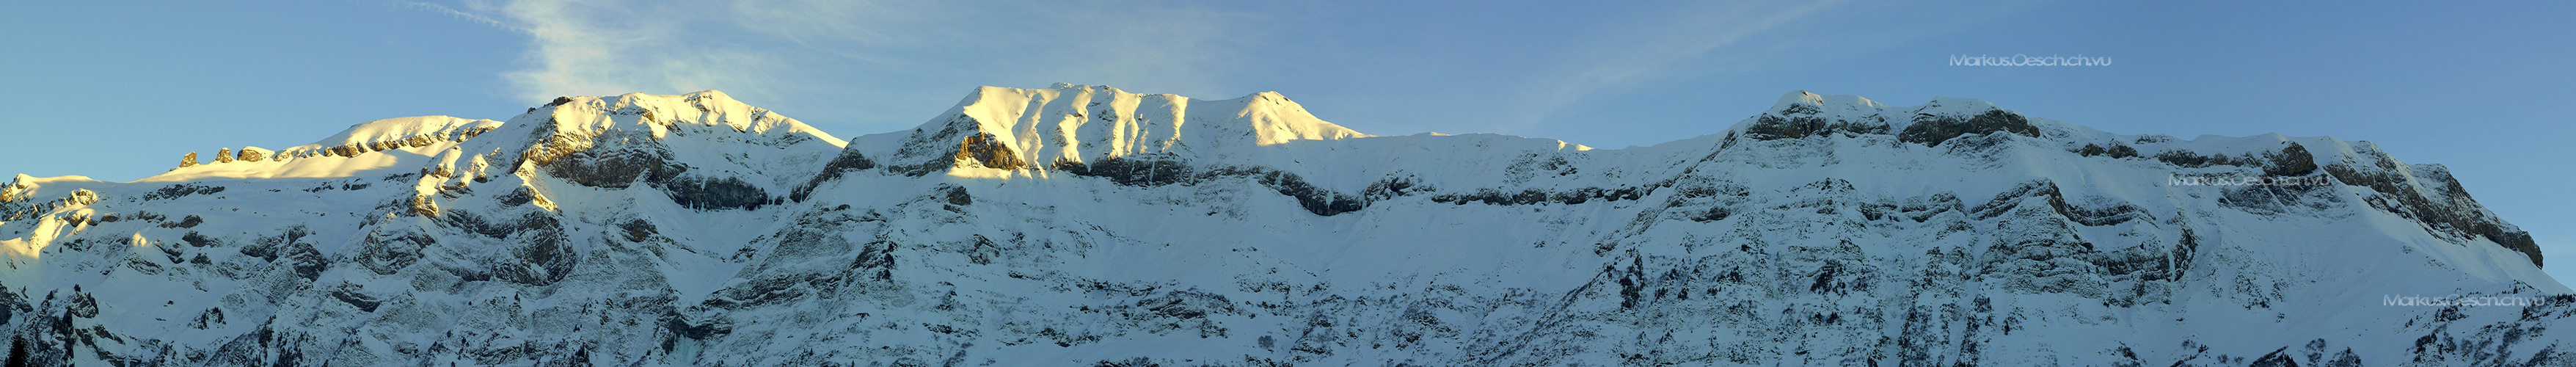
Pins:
x: 1088, y: 226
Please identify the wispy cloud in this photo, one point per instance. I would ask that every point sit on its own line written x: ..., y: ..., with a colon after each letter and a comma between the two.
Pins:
x: 452, y: 12
x: 870, y: 61
x: 779, y: 48
x: 1164, y: 49
x: 581, y: 47
x: 1657, y: 48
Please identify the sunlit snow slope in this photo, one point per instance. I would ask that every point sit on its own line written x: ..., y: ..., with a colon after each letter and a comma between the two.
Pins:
x: 1084, y: 225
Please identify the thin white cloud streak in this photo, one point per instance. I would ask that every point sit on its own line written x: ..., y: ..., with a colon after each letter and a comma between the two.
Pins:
x: 1164, y: 49
x: 469, y: 17
x: 601, y: 48
x: 869, y: 61
x: 792, y: 48
x: 1662, y: 46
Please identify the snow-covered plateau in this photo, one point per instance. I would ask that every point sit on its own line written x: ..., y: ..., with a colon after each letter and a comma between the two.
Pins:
x: 1087, y: 226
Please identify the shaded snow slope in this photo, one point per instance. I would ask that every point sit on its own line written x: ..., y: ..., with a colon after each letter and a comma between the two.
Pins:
x: 1083, y: 225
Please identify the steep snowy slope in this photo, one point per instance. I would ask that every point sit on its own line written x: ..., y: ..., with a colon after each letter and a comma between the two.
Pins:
x: 1083, y: 225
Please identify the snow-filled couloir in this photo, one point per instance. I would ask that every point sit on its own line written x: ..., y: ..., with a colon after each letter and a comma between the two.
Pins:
x: 1084, y: 225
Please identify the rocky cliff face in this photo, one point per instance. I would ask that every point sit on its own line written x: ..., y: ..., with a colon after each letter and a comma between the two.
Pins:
x: 1082, y: 225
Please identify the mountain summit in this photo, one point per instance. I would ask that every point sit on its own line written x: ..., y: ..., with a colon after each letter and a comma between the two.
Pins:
x: 1084, y: 225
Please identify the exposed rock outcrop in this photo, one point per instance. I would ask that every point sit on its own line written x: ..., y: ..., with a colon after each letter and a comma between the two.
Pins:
x: 1089, y: 226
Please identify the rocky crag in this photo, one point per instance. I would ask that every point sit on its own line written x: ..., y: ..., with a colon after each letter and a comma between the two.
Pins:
x: 1083, y: 225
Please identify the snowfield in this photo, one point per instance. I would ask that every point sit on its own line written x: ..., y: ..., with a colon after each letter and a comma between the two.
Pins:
x: 1087, y: 226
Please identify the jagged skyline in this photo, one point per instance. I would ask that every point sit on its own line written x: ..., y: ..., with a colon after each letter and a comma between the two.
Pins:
x: 1087, y: 225
x: 2474, y: 88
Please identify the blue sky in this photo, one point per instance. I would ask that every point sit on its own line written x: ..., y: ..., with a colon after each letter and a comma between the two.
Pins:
x: 119, y: 91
